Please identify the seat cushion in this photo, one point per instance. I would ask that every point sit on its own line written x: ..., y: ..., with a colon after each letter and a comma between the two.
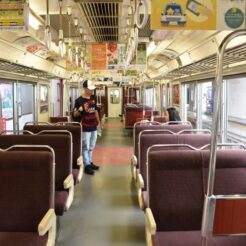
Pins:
x: 75, y: 176
x: 60, y: 202
x: 22, y: 239
x: 193, y: 238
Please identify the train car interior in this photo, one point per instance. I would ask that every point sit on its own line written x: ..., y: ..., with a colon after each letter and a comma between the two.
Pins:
x: 122, y: 123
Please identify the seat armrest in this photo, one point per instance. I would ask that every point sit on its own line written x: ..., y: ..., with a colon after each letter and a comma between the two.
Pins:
x: 80, y: 164
x: 134, y: 167
x: 140, y: 181
x: 69, y: 184
x: 80, y: 161
x: 48, y: 224
x: 150, y: 221
x: 134, y: 160
x: 150, y: 226
x: 140, y: 186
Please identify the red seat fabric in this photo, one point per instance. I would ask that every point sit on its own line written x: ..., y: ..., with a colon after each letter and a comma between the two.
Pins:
x: 75, y: 173
x: 177, y: 185
x: 22, y: 239
x: 193, y: 238
x: 26, y: 194
x: 60, y: 202
x: 75, y: 131
x: 139, y: 128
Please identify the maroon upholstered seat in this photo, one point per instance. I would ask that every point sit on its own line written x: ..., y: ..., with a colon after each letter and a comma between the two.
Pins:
x: 139, y: 128
x: 27, y: 194
x: 134, y: 112
x: 76, y: 134
x: 177, y: 184
x: 58, y: 119
x: 75, y: 173
x: 193, y: 238
x: 147, y: 140
x: 22, y: 239
x: 61, y: 198
x: 61, y: 145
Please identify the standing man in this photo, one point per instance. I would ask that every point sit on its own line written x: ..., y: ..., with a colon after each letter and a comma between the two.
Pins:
x: 86, y: 108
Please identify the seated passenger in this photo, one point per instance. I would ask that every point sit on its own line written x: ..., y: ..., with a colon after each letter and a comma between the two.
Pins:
x: 166, y: 116
x: 173, y: 114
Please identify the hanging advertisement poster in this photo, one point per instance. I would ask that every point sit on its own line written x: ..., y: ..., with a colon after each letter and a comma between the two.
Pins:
x: 183, y: 14
x: 121, y: 53
x: 141, y: 54
x: 99, y: 56
x: 231, y: 14
x: 13, y: 15
x: 112, y: 55
x: 175, y: 94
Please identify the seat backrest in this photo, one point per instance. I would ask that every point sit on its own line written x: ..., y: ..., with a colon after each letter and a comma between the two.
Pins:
x: 74, y: 129
x: 61, y: 145
x: 177, y: 184
x: 26, y: 189
x: 58, y: 119
x: 147, y: 140
x: 139, y: 128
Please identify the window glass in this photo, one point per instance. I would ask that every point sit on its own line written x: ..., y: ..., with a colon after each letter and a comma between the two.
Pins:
x: 236, y: 110
x: 206, y: 104
x: 115, y: 96
x: 190, y: 105
x: 149, y: 94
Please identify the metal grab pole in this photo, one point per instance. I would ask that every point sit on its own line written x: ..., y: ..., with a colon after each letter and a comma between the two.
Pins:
x: 144, y: 101
x: 153, y: 103
x: 213, y: 150
x: 128, y: 91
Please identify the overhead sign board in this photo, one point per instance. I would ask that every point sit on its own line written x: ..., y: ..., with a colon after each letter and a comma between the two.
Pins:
x: 198, y: 14
x: 13, y: 15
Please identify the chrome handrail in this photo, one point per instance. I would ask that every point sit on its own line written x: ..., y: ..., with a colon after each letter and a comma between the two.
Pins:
x: 215, y: 126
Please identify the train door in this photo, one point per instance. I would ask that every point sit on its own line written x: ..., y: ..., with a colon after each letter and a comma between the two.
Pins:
x: 6, y: 105
x: 25, y: 104
x: 17, y: 104
x: 115, y: 101
x: 57, y: 97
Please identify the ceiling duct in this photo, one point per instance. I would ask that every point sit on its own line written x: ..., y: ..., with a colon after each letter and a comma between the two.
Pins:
x: 103, y: 19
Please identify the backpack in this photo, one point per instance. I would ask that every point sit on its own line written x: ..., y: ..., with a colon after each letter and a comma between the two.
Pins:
x: 76, y: 119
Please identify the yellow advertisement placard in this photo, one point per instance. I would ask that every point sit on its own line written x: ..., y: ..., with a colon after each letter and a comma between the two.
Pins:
x: 13, y: 15
x: 99, y: 57
x: 183, y: 14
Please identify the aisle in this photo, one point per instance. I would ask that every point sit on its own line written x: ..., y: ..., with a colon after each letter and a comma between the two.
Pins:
x: 105, y: 210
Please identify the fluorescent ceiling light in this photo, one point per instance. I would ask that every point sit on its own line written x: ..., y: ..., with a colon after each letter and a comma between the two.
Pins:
x: 151, y: 48
x: 34, y: 22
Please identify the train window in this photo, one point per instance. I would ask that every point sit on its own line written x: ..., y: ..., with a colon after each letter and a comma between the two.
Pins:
x: 115, y: 96
x: 190, y: 107
x: 205, y: 111
x: 6, y: 99
x: 236, y: 110
x: 150, y: 97
x: 138, y: 96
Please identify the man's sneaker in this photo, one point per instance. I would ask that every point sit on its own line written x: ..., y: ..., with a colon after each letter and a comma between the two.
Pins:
x: 94, y: 167
x: 88, y: 170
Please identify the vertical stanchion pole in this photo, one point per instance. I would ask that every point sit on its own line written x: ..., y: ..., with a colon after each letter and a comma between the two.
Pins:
x: 216, y: 114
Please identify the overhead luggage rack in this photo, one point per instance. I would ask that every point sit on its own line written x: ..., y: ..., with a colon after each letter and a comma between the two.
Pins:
x: 233, y: 55
x: 19, y: 69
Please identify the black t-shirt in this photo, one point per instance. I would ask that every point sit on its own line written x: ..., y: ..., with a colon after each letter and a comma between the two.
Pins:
x: 88, y: 115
